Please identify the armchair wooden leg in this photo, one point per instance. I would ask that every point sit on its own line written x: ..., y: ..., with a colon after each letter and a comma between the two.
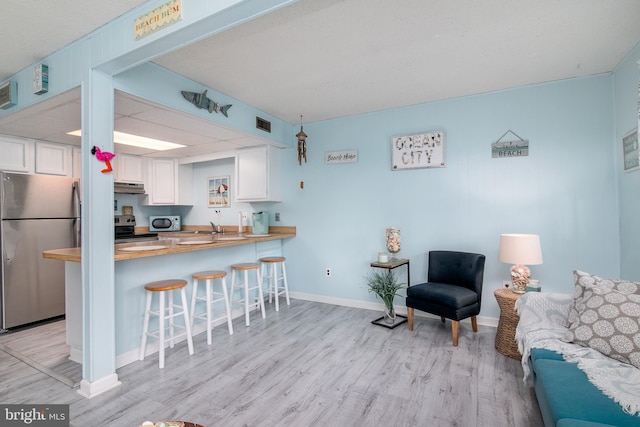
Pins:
x: 410, y: 318
x: 474, y: 324
x: 455, y: 330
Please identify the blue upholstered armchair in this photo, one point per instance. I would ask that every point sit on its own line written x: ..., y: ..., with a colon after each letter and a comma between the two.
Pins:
x: 453, y: 290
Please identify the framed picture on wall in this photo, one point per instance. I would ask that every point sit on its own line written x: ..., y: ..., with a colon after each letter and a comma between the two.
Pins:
x: 630, y: 151
x: 219, y: 191
x: 424, y: 150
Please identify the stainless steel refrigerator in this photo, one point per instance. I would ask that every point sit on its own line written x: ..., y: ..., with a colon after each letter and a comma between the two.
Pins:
x: 37, y: 213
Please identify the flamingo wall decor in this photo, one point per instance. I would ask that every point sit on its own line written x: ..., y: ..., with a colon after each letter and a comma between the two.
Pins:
x: 103, y: 156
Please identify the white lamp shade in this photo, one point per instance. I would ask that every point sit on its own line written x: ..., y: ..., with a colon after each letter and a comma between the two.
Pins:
x: 520, y: 249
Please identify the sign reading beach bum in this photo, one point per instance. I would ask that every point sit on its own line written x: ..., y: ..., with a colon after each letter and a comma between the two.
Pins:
x: 34, y: 415
x: 158, y: 19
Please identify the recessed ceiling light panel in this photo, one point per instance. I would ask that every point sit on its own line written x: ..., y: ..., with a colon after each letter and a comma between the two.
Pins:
x: 138, y: 141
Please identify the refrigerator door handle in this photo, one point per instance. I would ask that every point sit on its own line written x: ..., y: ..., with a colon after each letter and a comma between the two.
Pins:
x: 76, y: 232
x: 77, y: 213
x: 77, y: 204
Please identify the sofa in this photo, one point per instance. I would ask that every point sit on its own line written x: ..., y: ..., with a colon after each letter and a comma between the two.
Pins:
x: 582, y: 377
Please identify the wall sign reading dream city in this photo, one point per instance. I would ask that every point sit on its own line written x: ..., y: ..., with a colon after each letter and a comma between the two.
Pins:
x: 423, y: 150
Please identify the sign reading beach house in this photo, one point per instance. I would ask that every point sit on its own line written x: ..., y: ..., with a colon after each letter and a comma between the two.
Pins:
x: 347, y: 156
x: 158, y: 19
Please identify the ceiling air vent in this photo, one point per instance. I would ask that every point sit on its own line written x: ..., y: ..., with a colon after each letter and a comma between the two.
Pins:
x: 263, y: 124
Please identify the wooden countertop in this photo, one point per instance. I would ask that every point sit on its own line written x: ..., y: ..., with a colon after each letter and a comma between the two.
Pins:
x: 172, y: 243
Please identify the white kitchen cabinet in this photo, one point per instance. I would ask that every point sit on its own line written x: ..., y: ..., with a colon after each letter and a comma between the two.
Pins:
x: 258, y: 174
x: 53, y: 159
x: 76, y: 162
x: 128, y: 168
x: 17, y: 154
x: 168, y: 183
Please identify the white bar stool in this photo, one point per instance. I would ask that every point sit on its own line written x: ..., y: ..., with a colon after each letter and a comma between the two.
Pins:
x: 273, y: 278
x: 245, y: 268
x: 162, y: 287
x: 210, y: 298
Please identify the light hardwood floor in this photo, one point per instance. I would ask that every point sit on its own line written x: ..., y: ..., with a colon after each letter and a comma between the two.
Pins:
x: 311, y: 364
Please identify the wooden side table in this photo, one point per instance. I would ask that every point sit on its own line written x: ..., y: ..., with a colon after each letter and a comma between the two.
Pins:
x: 506, y: 334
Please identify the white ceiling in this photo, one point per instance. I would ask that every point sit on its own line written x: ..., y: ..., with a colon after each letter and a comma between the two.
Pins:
x: 334, y: 58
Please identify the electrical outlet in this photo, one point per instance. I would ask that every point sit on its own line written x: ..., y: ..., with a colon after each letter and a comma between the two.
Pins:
x: 328, y: 272
x: 506, y: 283
x: 277, y: 216
x: 244, y: 216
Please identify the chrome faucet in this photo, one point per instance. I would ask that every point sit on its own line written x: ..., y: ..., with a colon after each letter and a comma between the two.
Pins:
x: 216, y: 228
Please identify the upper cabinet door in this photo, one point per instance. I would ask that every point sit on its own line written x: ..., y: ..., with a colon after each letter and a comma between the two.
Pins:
x: 17, y: 154
x: 53, y: 159
x: 128, y: 168
x: 162, y: 182
x: 258, y: 175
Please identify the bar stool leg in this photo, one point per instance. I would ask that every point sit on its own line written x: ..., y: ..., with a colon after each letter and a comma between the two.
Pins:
x: 171, y: 330
x: 265, y: 275
x: 274, y: 285
x: 208, y: 292
x: 246, y: 297
x: 185, y: 313
x: 286, y: 285
x: 260, y: 294
x: 161, y: 329
x: 145, y: 327
x: 227, y: 305
x: 233, y: 284
x: 194, y: 293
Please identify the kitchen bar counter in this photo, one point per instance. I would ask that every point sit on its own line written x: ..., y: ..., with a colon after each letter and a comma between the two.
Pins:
x: 177, y: 242
x: 177, y: 257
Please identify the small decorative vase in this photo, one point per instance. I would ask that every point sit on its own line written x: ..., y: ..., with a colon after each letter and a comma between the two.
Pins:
x: 389, y: 315
x: 393, y: 240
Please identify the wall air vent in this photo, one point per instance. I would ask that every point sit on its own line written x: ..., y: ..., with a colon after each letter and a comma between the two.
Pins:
x: 9, y: 95
x: 263, y: 124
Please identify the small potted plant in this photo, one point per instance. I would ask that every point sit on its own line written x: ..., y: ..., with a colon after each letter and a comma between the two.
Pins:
x: 385, y: 285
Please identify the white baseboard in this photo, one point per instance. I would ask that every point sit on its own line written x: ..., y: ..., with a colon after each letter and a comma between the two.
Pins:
x: 94, y: 388
x: 368, y: 305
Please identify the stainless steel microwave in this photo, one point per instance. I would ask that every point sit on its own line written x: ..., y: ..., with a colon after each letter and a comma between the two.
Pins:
x: 165, y: 223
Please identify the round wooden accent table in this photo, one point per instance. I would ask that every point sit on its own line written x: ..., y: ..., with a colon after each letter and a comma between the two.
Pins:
x: 506, y: 334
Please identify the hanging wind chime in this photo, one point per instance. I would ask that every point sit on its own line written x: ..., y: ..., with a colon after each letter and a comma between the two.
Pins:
x: 302, y: 148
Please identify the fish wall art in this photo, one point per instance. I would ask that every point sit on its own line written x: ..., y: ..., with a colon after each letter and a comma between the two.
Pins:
x: 200, y: 100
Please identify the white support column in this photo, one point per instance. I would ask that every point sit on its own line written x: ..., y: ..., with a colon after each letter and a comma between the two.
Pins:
x: 98, y: 288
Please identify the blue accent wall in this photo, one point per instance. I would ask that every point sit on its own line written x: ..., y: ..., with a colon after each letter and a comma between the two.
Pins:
x: 565, y: 190
x: 627, y: 116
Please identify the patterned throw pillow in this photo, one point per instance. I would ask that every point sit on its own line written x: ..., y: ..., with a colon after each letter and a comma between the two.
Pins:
x: 605, y: 316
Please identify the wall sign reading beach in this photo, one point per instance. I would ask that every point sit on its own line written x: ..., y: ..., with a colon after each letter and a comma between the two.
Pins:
x: 509, y: 147
x: 423, y: 150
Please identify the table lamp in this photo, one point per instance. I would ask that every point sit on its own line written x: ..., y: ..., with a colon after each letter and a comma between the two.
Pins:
x: 520, y: 250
